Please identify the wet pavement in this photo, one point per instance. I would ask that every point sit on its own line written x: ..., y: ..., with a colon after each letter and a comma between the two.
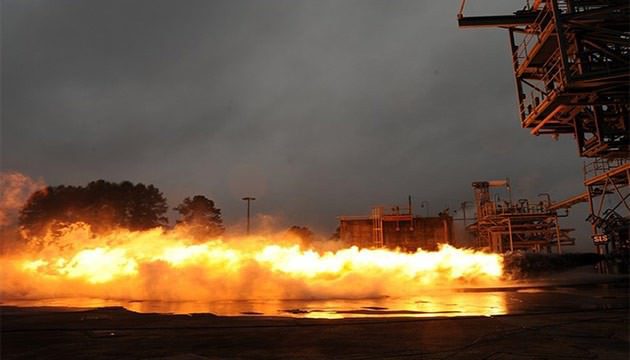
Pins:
x: 586, y: 317
x: 570, y: 292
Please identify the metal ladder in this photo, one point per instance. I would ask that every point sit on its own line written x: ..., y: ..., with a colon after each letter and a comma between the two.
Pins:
x: 377, y: 226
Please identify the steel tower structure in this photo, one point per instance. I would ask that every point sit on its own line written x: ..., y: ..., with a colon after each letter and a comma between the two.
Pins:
x: 571, y: 62
x: 507, y: 225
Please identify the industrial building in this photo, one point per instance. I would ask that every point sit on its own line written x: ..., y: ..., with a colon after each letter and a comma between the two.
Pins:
x: 393, y: 227
x: 506, y: 225
x: 571, y: 65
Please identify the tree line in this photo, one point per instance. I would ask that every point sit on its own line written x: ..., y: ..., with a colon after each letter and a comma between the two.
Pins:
x: 107, y: 205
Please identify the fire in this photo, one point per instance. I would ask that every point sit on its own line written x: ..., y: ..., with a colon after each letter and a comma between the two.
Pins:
x: 166, y: 265
x: 451, y: 263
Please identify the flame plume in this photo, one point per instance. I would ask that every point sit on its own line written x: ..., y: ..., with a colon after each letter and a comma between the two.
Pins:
x: 166, y: 265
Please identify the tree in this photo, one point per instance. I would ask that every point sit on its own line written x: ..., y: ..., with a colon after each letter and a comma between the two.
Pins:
x: 101, y: 204
x: 58, y: 206
x: 145, y: 208
x: 201, y: 217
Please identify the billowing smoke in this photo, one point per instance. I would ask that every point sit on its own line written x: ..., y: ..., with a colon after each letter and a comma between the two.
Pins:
x: 15, y: 188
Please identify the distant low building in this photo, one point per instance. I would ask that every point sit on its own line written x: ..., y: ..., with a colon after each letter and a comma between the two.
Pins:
x: 392, y: 230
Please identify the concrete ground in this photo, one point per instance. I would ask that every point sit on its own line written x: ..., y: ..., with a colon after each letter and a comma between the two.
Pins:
x: 115, y: 333
x: 586, y: 317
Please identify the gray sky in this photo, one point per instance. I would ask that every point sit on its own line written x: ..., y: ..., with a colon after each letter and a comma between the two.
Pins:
x: 318, y: 108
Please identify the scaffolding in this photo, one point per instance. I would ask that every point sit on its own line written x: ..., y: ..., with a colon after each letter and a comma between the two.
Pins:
x: 608, y: 183
x: 504, y: 225
x: 571, y: 64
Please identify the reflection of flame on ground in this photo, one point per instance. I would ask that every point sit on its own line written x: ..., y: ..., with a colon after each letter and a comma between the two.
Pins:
x: 166, y: 266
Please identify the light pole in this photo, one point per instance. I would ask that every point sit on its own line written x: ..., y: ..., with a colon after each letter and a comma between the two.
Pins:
x: 249, y: 199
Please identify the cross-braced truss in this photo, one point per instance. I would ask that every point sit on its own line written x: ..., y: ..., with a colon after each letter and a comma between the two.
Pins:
x: 571, y: 62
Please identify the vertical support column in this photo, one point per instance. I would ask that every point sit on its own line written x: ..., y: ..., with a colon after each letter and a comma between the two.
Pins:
x: 519, y: 87
x: 599, y: 122
x: 562, y: 41
x: 510, y: 232
x: 558, y: 235
x: 601, y: 266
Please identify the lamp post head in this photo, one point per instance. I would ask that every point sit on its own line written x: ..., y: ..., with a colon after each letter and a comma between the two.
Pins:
x: 248, y: 198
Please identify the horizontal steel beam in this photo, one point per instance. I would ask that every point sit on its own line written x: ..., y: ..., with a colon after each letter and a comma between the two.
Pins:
x: 565, y: 204
x: 497, y: 21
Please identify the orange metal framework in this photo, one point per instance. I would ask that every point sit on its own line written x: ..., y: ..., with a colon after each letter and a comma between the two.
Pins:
x: 608, y: 194
x: 571, y: 64
x: 504, y: 225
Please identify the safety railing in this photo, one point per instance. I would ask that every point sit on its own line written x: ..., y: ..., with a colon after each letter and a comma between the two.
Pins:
x: 523, y: 207
x: 601, y: 166
x: 536, y: 91
x: 535, y: 31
